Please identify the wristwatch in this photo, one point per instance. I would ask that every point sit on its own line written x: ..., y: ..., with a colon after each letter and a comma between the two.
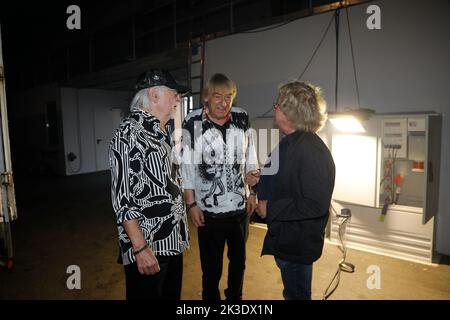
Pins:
x: 191, y: 205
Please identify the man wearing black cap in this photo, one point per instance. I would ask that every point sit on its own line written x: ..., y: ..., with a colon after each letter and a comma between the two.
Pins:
x: 146, y: 194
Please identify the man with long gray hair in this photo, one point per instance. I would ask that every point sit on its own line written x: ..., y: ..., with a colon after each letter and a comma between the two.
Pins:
x: 146, y: 193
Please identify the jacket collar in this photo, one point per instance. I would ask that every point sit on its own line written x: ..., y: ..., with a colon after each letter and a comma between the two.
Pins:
x: 150, y: 121
x: 146, y: 115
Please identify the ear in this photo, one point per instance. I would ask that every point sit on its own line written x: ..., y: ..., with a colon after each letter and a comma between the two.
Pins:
x: 153, y: 94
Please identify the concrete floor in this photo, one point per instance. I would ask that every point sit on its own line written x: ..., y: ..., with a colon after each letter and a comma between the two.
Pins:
x: 67, y: 221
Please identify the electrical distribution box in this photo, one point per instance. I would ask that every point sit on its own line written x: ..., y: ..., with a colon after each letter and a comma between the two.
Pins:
x: 389, y: 177
x: 395, y: 136
x: 409, y: 168
x: 396, y: 161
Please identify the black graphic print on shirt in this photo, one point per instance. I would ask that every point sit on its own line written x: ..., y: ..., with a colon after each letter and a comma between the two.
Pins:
x: 221, y: 155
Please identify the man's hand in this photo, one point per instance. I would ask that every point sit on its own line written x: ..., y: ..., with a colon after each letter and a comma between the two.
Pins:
x: 147, y: 262
x: 251, y: 203
x: 261, y: 210
x: 252, y: 177
x: 197, y: 216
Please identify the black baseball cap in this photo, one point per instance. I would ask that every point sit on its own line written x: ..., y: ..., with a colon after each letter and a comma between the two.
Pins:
x: 159, y: 77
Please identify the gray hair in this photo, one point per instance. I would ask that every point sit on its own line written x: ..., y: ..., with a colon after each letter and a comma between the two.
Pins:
x: 303, y: 105
x: 140, y: 100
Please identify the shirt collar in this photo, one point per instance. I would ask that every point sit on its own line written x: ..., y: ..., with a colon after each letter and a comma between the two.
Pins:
x: 146, y: 115
x: 151, y: 120
x: 205, y: 117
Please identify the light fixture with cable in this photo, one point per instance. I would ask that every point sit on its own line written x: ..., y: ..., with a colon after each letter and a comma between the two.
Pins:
x: 348, y: 121
x: 347, y: 124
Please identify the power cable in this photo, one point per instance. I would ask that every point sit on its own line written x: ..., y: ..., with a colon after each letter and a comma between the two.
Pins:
x: 310, y: 59
x: 345, y: 266
x: 317, y: 47
x: 336, y: 84
x: 334, y: 17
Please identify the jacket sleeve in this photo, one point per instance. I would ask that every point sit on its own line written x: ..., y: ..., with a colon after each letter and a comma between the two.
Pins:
x: 121, y: 179
x: 311, y: 189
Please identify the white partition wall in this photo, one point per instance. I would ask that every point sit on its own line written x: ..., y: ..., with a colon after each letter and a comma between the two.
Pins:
x: 89, y: 119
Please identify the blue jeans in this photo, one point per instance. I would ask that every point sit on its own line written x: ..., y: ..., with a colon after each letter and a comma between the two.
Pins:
x: 296, y: 278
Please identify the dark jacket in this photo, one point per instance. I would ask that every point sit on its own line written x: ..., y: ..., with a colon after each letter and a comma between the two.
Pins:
x: 299, y: 206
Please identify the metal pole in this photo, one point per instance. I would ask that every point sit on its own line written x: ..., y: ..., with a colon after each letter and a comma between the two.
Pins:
x: 7, y: 194
x: 336, y: 25
x: 4, y: 116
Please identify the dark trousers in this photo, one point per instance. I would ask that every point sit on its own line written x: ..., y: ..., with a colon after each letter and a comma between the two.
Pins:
x: 211, y: 239
x: 164, y: 285
x: 297, y: 279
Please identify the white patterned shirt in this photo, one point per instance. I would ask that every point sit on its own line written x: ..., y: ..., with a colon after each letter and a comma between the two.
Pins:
x: 215, y: 160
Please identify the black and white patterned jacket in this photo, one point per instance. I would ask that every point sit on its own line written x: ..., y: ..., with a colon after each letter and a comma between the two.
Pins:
x: 145, y: 185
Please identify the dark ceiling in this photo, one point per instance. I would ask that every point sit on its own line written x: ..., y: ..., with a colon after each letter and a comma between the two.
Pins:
x: 119, y: 39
